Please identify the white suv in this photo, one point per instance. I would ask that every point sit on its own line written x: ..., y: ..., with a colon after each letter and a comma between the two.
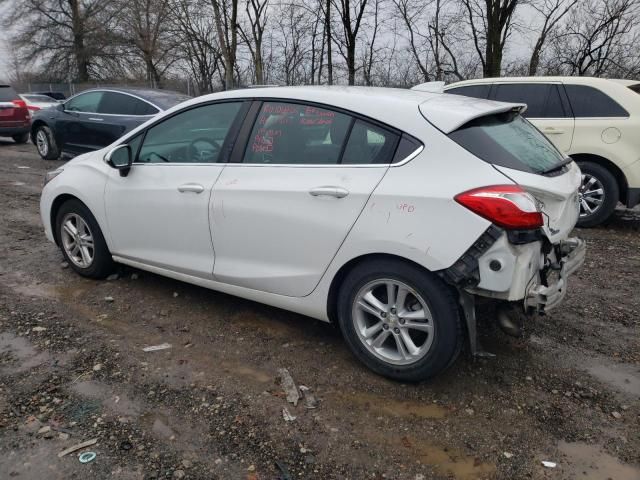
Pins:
x: 387, y: 211
x: 595, y: 121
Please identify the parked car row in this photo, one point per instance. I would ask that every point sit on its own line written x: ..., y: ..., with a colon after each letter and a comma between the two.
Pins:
x: 594, y: 121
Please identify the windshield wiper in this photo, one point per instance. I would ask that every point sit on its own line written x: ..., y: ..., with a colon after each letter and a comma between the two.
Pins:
x: 557, y: 166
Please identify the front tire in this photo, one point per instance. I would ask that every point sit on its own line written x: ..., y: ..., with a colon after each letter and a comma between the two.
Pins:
x: 81, y: 241
x: 401, y: 321
x: 599, y: 194
x: 22, y: 138
x: 46, y: 143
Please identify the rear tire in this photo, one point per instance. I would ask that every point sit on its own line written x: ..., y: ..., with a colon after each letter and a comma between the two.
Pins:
x: 420, y: 332
x: 599, y: 194
x: 46, y: 143
x: 81, y: 240
x: 22, y: 138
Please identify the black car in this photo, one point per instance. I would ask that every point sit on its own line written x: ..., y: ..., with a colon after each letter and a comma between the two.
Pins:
x: 96, y: 118
x: 55, y: 95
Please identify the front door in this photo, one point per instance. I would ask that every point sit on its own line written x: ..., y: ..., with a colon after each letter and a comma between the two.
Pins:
x: 280, y: 214
x: 159, y: 214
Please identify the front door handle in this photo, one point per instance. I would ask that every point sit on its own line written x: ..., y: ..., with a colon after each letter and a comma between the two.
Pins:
x: 191, y: 187
x: 329, y: 191
x: 96, y: 119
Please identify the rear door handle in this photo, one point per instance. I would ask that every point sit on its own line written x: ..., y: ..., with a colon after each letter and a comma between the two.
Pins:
x: 191, y: 187
x: 329, y: 191
x: 96, y: 119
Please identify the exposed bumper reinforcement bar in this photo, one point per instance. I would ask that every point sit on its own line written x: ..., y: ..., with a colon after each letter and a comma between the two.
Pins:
x: 544, y: 298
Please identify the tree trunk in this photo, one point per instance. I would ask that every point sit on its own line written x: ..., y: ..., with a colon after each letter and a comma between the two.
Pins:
x: 327, y: 22
x: 82, y: 63
x: 351, y: 61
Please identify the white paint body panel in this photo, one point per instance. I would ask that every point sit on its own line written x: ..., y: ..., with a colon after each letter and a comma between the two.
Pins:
x: 256, y: 232
x: 271, y: 234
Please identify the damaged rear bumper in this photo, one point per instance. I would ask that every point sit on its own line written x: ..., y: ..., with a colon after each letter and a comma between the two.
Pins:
x: 543, y: 297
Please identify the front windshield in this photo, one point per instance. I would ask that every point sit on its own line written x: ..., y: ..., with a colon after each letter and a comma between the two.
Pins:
x: 508, y: 140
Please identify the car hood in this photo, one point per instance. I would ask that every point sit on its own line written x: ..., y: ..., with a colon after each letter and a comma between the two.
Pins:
x: 448, y: 112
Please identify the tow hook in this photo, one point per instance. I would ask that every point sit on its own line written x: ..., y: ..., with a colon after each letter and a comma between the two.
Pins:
x: 510, y: 319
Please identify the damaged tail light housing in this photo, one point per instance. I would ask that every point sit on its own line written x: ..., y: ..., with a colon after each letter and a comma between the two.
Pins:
x: 507, y: 206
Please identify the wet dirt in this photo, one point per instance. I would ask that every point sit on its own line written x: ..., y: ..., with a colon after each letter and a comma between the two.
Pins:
x: 210, y: 407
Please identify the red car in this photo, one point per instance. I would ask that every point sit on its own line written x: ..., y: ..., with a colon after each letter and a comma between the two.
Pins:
x: 15, y: 119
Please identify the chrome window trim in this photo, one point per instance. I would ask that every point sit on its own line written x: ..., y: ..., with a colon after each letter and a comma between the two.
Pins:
x: 404, y: 161
x: 160, y: 110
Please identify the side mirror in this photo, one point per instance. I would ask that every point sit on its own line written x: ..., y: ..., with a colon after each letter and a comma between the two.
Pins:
x: 60, y: 106
x: 120, y: 158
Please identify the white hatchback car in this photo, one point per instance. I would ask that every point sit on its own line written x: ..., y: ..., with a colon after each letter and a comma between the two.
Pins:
x: 387, y: 211
x: 594, y: 120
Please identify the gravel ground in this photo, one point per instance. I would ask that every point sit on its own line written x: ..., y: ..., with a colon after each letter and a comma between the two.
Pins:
x: 72, y: 369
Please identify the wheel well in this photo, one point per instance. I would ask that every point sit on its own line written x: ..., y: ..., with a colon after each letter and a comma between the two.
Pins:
x: 55, y: 207
x: 34, y: 127
x: 621, y: 180
x: 338, y: 278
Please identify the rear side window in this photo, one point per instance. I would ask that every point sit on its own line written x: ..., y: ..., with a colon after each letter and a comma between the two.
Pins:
x: 291, y: 133
x: 114, y: 103
x: 508, y: 140
x: 590, y: 102
x: 476, y: 91
x: 543, y: 100
x: 369, y: 144
x: 635, y: 88
x: 7, y: 94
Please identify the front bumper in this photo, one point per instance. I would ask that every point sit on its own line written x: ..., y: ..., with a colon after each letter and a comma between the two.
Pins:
x: 543, y: 297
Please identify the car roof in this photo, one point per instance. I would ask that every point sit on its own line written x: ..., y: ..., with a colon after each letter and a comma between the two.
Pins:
x: 540, y: 79
x: 164, y: 99
x: 386, y: 105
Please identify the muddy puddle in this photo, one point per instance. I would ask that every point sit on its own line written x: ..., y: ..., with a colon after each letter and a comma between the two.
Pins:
x: 117, y: 402
x: 17, y: 354
x: 398, y: 408
x: 590, y: 462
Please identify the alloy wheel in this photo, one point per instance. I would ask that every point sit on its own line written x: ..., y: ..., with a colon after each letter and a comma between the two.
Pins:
x: 591, y: 195
x: 77, y: 240
x: 42, y: 143
x: 393, y: 321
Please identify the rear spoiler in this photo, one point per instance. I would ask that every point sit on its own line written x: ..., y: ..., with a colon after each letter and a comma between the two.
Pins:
x: 449, y: 112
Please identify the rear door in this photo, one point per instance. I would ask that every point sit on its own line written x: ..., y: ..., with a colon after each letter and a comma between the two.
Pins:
x: 117, y: 114
x: 297, y: 185
x: 547, y: 109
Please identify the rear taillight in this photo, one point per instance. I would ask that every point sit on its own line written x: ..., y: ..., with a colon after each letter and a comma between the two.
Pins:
x: 20, y: 103
x: 33, y: 108
x: 507, y: 206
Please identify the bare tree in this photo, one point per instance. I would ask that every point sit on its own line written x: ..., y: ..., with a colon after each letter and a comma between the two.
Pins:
x: 552, y: 12
x: 599, y: 38
x: 490, y: 22
x: 69, y: 36
x: 225, y: 13
x: 194, y: 26
x: 257, y: 18
x: 350, y: 13
x: 143, y: 25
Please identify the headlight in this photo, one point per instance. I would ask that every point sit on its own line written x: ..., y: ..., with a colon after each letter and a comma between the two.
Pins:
x: 50, y: 175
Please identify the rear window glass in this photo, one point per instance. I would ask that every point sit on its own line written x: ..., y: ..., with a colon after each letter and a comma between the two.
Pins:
x: 7, y: 94
x: 591, y: 102
x: 476, y: 91
x: 508, y: 140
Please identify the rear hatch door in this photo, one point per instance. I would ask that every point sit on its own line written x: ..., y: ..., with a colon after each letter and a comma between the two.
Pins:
x: 13, y: 110
x: 496, y: 133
